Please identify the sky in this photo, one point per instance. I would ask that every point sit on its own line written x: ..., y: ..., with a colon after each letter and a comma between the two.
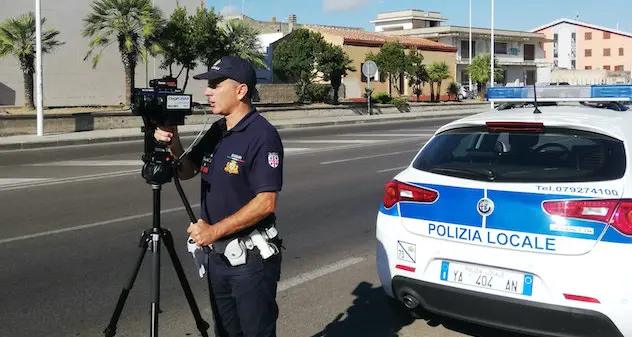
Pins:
x: 508, y: 14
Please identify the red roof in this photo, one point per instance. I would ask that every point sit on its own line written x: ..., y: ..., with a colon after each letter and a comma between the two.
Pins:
x: 354, y: 37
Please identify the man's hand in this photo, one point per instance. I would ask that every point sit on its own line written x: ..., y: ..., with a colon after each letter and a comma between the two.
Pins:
x: 204, y: 234
x: 165, y: 134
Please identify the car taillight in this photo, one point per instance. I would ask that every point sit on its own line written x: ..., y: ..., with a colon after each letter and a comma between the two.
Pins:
x: 616, y: 213
x: 396, y: 191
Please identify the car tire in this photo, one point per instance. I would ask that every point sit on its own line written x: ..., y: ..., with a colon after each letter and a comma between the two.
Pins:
x: 460, y: 97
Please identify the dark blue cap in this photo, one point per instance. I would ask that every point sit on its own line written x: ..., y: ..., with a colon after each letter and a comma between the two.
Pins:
x: 232, y: 67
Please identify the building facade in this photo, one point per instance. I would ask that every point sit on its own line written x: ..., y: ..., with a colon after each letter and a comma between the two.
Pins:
x: 68, y: 79
x: 519, y: 54
x: 358, y: 43
x: 583, y: 46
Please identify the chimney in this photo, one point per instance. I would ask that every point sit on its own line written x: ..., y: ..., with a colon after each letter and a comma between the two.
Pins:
x: 291, y: 22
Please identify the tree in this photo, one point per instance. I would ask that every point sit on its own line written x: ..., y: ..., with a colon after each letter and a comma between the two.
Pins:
x: 130, y: 24
x: 417, y: 72
x: 295, y: 58
x: 208, y: 42
x: 393, y: 61
x: 480, y: 70
x: 178, y: 45
x: 334, y: 63
x: 241, y: 39
x: 438, y: 72
x: 17, y: 38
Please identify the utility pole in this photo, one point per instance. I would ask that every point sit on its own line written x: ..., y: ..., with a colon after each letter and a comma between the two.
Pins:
x: 491, y: 76
x: 38, y: 68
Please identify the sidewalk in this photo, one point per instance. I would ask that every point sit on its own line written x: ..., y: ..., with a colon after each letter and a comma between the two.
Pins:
x: 118, y: 135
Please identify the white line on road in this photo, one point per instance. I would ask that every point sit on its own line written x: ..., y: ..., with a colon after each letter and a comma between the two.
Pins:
x: 392, y: 169
x: 91, y: 225
x: 388, y: 135
x: 322, y: 141
x: 316, y: 273
x: 70, y: 180
x: 92, y: 163
x: 16, y: 181
x: 366, y: 157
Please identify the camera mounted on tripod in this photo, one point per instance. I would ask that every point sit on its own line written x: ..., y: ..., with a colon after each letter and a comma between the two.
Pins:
x: 164, y: 104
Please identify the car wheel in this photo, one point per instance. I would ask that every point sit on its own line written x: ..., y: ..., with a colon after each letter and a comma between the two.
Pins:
x: 460, y: 97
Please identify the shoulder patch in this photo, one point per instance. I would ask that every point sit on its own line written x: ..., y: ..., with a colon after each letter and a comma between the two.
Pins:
x: 273, y: 159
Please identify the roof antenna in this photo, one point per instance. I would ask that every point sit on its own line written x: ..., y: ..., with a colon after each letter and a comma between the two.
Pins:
x: 535, y: 101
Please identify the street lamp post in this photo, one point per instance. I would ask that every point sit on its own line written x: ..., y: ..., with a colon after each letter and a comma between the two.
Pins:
x: 38, y: 69
x: 491, y: 84
x: 470, y: 54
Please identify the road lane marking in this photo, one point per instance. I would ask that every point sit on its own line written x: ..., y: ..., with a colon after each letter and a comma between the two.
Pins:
x: 387, y: 135
x: 366, y: 157
x: 90, y: 225
x: 316, y: 273
x: 17, y: 181
x: 91, y: 163
x: 392, y: 169
x: 50, y: 182
x: 331, y: 141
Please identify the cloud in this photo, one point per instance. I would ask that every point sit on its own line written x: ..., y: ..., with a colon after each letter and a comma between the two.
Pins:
x: 342, y: 5
x: 229, y: 10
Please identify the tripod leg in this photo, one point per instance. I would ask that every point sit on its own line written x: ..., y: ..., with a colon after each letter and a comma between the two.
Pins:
x: 110, y: 331
x: 155, y: 284
x: 201, y: 324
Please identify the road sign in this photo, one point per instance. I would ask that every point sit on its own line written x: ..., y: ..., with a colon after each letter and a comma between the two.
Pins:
x: 369, y: 69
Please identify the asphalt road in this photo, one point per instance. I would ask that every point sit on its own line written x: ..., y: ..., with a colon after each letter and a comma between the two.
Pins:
x: 72, y: 219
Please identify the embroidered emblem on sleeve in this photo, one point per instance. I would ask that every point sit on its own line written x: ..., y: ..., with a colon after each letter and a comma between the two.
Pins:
x: 273, y: 159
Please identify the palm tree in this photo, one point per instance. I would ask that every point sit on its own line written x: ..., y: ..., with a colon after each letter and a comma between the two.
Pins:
x: 439, y: 71
x: 132, y: 25
x: 17, y: 38
x: 241, y: 40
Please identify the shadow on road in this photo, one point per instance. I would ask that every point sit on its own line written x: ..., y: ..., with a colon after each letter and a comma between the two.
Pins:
x: 374, y: 315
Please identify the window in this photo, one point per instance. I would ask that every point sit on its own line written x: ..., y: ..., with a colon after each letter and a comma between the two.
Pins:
x: 588, y: 36
x: 606, y: 52
x: 465, y: 49
x: 586, y: 68
x: 500, y: 48
x: 555, y: 155
x: 588, y: 52
x: 573, y: 64
x: 529, y: 52
x: 620, y: 51
x: 606, y: 67
x: 606, y: 35
x: 618, y: 68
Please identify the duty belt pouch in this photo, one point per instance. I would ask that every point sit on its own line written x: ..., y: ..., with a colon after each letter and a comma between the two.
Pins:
x: 235, y: 252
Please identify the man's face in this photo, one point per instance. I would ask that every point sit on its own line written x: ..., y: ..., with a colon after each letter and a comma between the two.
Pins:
x: 223, y: 95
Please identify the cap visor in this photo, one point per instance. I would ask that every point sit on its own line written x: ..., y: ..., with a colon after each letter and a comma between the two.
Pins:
x: 209, y: 75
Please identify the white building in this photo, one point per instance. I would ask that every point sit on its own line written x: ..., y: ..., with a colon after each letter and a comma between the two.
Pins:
x: 520, y: 54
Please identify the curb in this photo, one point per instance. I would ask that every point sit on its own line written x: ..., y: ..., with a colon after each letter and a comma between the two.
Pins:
x: 298, y: 125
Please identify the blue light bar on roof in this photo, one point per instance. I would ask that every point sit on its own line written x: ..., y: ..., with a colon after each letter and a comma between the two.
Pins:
x: 561, y: 93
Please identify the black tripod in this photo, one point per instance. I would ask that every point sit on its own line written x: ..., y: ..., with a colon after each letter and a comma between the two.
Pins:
x: 159, y: 167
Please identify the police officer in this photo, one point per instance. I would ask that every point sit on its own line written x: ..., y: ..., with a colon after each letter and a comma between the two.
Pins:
x: 241, y: 163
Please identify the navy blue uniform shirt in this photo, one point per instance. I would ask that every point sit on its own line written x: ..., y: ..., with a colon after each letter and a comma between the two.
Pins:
x: 238, y: 164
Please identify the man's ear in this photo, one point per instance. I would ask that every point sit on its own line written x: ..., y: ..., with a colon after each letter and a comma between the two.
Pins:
x: 242, y: 91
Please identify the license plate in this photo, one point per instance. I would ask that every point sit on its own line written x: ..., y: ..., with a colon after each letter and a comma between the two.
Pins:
x: 487, y: 278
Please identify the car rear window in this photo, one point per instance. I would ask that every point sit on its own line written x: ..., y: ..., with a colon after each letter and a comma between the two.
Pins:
x: 555, y: 155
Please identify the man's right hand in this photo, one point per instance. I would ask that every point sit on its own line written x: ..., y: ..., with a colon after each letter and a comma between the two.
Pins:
x: 165, y: 134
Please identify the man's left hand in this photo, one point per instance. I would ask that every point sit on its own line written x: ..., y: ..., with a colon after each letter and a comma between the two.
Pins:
x: 203, y: 234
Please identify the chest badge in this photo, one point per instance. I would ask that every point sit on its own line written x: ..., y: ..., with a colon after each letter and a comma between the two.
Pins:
x: 232, y: 166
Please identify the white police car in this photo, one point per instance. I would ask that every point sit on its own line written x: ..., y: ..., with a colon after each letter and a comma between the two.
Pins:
x: 519, y: 218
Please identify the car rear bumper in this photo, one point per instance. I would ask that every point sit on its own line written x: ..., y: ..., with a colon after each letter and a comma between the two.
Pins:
x: 505, y: 313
